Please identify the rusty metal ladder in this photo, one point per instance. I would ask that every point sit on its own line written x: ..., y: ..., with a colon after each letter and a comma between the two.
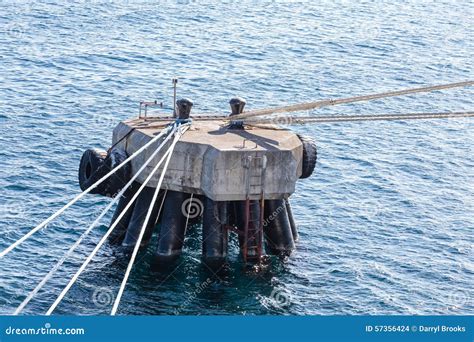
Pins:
x: 252, y: 248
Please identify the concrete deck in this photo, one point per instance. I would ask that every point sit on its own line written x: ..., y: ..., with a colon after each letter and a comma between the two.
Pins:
x: 223, y: 164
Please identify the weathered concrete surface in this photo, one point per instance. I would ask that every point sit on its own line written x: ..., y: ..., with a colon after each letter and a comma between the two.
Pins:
x: 223, y: 164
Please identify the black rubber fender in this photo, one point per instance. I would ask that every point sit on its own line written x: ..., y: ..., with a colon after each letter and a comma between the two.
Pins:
x: 310, y: 155
x: 137, y: 219
x: 118, y: 234
x: 92, y: 160
x: 291, y: 219
x: 214, y: 233
x: 172, y: 230
x: 121, y: 177
x: 277, y: 227
x: 96, y: 163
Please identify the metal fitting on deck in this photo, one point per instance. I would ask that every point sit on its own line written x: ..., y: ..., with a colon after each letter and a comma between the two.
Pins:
x: 237, y: 105
x: 183, y: 107
x: 236, y: 124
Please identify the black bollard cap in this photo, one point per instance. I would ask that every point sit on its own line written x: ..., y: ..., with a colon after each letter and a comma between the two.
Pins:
x: 183, y: 108
x: 237, y: 105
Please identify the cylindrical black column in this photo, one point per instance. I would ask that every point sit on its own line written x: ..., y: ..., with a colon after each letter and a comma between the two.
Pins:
x: 277, y: 228
x: 117, y: 235
x: 294, y: 229
x: 173, y: 228
x: 143, y: 202
x: 193, y: 209
x: 232, y: 213
x: 214, y: 233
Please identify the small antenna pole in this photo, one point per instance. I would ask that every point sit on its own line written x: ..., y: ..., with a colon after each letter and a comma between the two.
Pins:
x: 175, y: 82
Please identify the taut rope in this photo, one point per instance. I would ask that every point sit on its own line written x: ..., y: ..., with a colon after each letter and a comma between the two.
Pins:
x: 325, y: 103
x: 292, y: 120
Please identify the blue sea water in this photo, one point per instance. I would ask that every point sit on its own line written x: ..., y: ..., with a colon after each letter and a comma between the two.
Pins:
x: 386, y: 221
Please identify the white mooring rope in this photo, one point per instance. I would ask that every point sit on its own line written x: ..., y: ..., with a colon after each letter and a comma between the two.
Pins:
x: 145, y: 223
x: 324, y: 103
x: 89, y: 229
x: 82, y: 194
x: 104, y: 238
x: 293, y: 120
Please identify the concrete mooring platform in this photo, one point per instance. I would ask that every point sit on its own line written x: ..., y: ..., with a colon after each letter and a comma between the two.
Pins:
x: 239, y: 176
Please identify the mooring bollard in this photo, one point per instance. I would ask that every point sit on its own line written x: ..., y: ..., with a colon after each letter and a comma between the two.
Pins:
x: 237, y: 105
x: 183, y: 107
